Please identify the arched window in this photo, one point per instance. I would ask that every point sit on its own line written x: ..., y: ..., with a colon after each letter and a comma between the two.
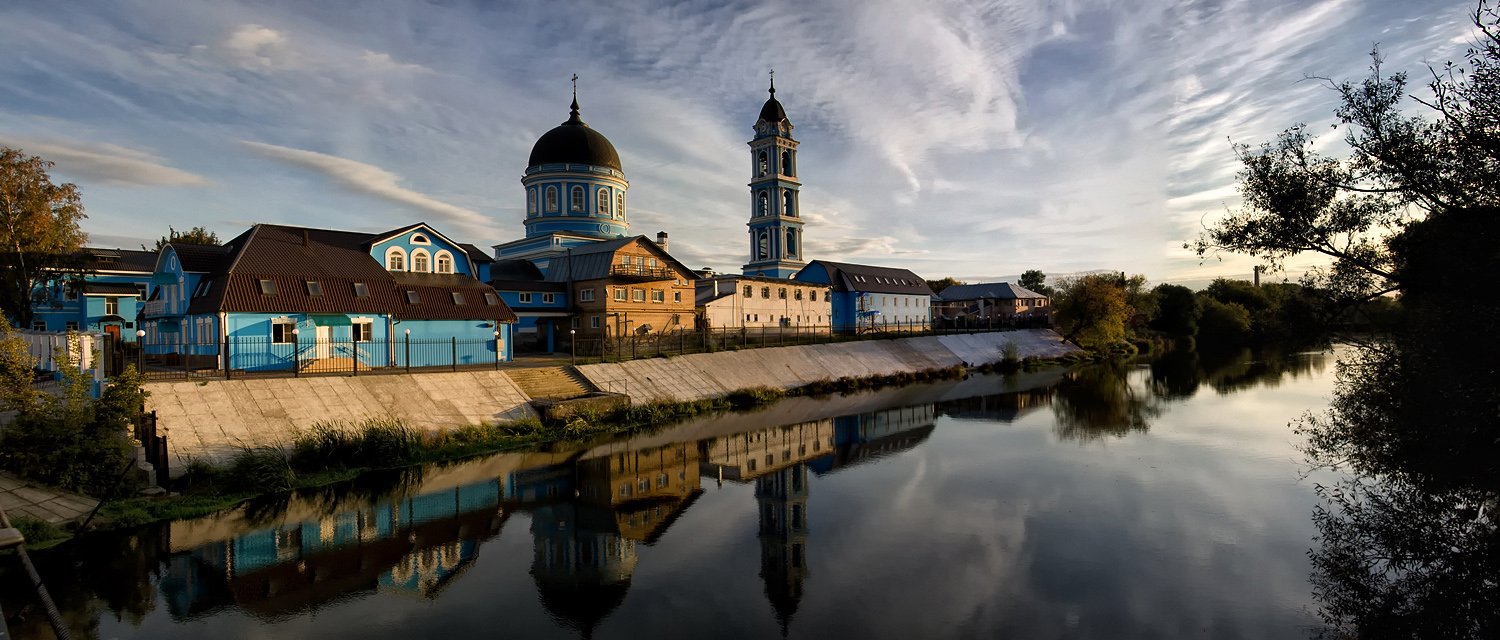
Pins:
x: 395, y: 259
x: 552, y: 198
x: 763, y: 246
x: 417, y: 238
x: 763, y: 208
x: 786, y: 164
x: 531, y: 201
x: 575, y: 199
x: 443, y: 261
x: 763, y: 164
x: 787, y: 209
x: 601, y: 203
x: 791, y: 243
x: 620, y: 205
x: 420, y: 261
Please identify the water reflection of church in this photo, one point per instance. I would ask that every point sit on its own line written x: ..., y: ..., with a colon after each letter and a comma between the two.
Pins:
x: 589, y: 516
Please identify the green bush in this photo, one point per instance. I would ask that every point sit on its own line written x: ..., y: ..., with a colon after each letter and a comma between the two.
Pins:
x: 755, y: 397
x: 325, y: 444
x: 260, y: 470
x: 37, y: 532
x: 387, y: 442
x: 72, y: 441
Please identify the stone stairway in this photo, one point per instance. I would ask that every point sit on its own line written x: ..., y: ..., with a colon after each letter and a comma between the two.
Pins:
x: 551, y: 382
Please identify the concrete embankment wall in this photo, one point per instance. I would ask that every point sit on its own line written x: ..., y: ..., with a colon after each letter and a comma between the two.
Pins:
x: 212, y: 420
x: 710, y: 375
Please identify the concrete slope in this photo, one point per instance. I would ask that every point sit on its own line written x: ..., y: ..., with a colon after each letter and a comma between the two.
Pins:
x: 709, y: 375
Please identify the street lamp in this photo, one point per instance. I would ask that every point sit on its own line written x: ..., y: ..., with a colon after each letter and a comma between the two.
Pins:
x: 573, y: 344
x: 140, y: 351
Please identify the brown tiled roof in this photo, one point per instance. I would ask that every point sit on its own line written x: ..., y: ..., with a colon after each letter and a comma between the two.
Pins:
x: 201, y: 258
x: 101, y: 259
x: 435, y: 291
x: 291, y: 256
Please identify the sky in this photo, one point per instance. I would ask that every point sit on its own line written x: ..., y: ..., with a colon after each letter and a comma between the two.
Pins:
x: 955, y: 138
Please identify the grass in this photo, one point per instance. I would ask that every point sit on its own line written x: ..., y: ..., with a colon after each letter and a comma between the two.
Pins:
x: 40, y: 534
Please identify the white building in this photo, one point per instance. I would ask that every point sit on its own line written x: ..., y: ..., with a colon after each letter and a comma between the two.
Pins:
x: 753, y: 302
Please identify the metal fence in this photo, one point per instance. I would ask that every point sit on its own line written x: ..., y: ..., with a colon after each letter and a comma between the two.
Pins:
x: 265, y: 357
x: 628, y: 347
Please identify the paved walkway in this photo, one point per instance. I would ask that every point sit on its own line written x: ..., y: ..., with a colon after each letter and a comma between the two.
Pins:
x: 22, y: 498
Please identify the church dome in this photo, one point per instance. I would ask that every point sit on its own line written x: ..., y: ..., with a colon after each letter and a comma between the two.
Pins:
x: 573, y: 142
x: 772, y: 111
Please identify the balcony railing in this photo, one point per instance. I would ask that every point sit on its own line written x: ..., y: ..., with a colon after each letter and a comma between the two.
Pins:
x: 155, y: 308
x: 638, y: 273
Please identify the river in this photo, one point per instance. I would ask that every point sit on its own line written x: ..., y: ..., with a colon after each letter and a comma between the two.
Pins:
x: 1150, y: 500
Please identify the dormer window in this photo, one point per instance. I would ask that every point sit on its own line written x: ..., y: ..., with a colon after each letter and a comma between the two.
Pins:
x: 267, y: 287
x: 413, y: 297
x: 458, y: 297
x: 314, y: 288
x: 395, y: 259
x: 361, y: 290
x: 491, y: 299
x: 202, y: 289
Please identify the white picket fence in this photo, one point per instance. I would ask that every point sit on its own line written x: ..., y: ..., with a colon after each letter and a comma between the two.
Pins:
x: 51, y: 351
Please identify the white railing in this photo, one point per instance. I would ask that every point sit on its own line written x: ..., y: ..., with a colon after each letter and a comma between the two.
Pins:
x: 51, y: 351
x: 155, y: 308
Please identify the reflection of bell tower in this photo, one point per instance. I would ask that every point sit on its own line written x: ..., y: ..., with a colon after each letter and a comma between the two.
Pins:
x: 782, y: 499
x: 775, y: 214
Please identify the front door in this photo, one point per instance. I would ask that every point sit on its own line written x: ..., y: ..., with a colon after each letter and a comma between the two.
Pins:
x: 324, y: 348
x: 113, y: 330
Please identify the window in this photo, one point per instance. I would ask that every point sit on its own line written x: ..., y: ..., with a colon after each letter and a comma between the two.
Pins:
x: 781, y: 293
x: 638, y: 295
x: 593, y: 322
x: 601, y: 202
x: 314, y: 288
x: 620, y: 205
x: 531, y: 201
x: 676, y: 296
x: 395, y: 259
x: 797, y: 295
x: 625, y: 260
x: 71, y: 325
x: 786, y: 205
x: 420, y: 261
x: 575, y: 199
x: 444, y: 262
x: 749, y: 291
x: 525, y: 298
x: 585, y: 295
x: 202, y: 289
x: 552, y: 198
x: 361, y: 290
x: 762, y: 164
x: 574, y: 320
x: 786, y: 164
x: 620, y: 294
x: 111, y: 306
x: 763, y: 246
x: 765, y: 292
x: 69, y: 292
x: 549, y: 298
x: 657, y: 295
x: 413, y: 297
x: 676, y: 318
x: 812, y: 295
x: 651, y: 262
x: 791, y: 243
x: 38, y: 325
x: 267, y: 288
x: 763, y: 206
x: 281, y: 332
x: 361, y: 331
x: 417, y: 238
x: 458, y: 297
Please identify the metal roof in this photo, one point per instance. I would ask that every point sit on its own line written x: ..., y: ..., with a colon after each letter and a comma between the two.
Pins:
x: 101, y: 259
x: 863, y: 277
x: 991, y: 290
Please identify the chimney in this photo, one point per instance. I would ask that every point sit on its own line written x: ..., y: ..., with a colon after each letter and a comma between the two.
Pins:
x: 306, y: 240
x: 1257, y: 276
x: 661, y: 240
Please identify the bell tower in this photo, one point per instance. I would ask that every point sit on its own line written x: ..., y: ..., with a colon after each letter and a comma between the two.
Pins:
x: 775, y: 212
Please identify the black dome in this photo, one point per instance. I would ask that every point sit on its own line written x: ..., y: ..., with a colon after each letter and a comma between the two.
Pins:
x: 573, y: 142
x: 772, y: 111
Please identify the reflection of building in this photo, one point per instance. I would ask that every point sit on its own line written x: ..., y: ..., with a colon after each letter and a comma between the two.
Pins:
x: 1005, y: 407
x: 412, y: 545
x: 581, y: 563
x: 745, y: 456
x: 781, y: 498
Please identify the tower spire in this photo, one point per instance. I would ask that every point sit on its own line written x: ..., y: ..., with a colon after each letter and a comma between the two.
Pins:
x: 773, y: 81
x: 573, y: 116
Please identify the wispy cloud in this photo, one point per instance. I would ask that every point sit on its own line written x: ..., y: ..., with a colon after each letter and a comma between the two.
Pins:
x: 107, y: 163
x: 371, y: 180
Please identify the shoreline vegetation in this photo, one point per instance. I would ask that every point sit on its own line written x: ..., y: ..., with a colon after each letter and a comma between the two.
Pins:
x: 334, y: 452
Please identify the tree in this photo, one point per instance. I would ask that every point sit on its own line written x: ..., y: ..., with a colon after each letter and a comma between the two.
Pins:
x: 1035, y: 280
x: 937, y: 286
x: 1402, y: 168
x: 39, y: 233
x: 1223, y: 323
x: 1091, y: 310
x: 1177, y: 310
x: 196, y: 235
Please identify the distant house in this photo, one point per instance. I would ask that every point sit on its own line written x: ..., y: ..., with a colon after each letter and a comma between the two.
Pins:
x: 755, y: 302
x: 111, y: 295
x: 993, y: 301
x: 541, y: 305
x: 870, y: 298
x: 625, y: 286
x: 282, y: 296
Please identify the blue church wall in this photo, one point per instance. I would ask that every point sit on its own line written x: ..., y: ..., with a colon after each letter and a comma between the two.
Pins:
x: 434, y: 246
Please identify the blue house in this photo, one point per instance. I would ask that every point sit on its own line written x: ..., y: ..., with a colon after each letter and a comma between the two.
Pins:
x: 278, y: 297
x: 108, y: 299
x: 870, y: 298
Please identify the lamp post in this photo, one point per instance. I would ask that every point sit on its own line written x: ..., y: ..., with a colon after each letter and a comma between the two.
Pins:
x: 497, y: 349
x: 296, y: 352
x: 408, y: 350
x: 140, y: 351
x: 573, y: 344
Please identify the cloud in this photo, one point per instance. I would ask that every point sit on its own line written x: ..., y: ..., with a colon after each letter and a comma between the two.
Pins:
x: 370, y: 180
x: 107, y: 163
x: 255, y: 46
